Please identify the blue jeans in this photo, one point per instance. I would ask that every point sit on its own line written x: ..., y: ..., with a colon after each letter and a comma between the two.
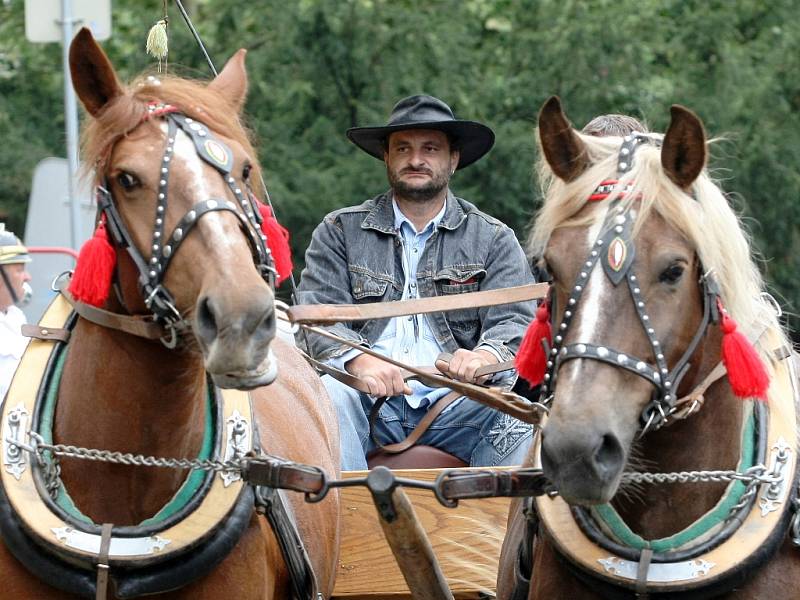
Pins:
x: 477, y: 434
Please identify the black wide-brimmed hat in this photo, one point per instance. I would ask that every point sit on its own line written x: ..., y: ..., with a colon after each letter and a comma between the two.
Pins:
x: 426, y: 112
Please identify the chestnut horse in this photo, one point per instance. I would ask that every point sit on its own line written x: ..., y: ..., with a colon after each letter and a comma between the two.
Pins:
x: 631, y: 336
x: 124, y: 393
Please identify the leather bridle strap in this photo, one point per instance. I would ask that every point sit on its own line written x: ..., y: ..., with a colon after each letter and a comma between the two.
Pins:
x: 693, y: 401
x: 152, y: 265
x: 508, y: 402
x: 328, y: 314
x: 140, y: 326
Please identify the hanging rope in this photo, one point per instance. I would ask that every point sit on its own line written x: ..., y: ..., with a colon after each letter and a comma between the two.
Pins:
x: 196, y: 36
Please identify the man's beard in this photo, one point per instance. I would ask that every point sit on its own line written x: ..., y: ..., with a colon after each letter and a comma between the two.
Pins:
x: 419, y: 194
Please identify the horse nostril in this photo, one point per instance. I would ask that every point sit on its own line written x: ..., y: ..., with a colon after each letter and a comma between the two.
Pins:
x: 206, y: 321
x: 608, y: 455
x: 267, y: 326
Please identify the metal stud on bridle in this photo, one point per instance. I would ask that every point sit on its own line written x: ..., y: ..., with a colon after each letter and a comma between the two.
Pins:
x: 153, y: 270
x: 615, y: 249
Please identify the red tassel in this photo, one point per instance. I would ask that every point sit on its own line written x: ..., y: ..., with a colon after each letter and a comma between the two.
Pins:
x: 91, y: 281
x: 746, y: 372
x: 531, y: 360
x: 278, y: 242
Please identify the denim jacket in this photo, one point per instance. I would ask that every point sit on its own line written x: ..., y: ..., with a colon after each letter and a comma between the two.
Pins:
x: 355, y: 257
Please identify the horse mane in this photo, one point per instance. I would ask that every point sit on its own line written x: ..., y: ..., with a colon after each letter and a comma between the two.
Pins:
x: 124, y: 113
x: 703, y: 216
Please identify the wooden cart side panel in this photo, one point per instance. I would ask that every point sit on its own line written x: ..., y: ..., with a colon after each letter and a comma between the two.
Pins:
x: 466, y: 541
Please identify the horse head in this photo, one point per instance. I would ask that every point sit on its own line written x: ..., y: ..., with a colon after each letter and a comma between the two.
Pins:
x: 174, y: 169
x: 629, y: 230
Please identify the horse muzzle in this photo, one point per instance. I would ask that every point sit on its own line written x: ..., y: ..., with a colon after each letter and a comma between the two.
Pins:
x: 235, y: 339
x: 585, y: 467
x: 264, y: 374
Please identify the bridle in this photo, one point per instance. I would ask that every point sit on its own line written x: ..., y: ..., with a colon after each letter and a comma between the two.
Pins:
x: 158, y: 300
x: 615, y: 249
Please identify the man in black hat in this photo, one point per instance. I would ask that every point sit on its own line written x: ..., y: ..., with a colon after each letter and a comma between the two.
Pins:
x: 418, y: 240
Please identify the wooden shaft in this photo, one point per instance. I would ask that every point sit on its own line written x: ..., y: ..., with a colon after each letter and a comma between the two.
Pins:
x: 412, y: 550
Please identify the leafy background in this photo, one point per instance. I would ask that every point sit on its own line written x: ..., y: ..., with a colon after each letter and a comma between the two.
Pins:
x: 319, y: 67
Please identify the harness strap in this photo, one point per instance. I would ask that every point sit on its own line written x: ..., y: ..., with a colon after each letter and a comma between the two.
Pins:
x: 359, y: 384
x: 525, y: 482
x: 523, y: 565
x: 641, y: 572
x: 271, y: 471
x: 48, y: 334
x: 508, y: 402
x: 420, y: 429
x: 140, y: 326
x: 271, y: 503
x: 693, y: 401
x: 356, y: 382
x: 328, y: 314
x: 102, y: 562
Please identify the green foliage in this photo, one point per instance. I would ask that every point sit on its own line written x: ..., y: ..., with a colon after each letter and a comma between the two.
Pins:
x: 319, y: 67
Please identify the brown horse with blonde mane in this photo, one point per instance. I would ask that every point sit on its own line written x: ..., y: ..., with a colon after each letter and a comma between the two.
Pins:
x: 650, y: 267
x: 124, y: 393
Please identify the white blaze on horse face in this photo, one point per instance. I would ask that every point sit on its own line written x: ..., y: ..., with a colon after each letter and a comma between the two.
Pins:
x: 592, y: 313
x: 198, y: 188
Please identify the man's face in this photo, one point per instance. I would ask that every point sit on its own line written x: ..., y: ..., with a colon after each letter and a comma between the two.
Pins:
x: 419, y: 163
x: 17, y: 275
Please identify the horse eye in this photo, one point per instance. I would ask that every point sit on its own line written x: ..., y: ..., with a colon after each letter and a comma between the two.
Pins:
x: 246, y: 172
x: 127, y: 181
x: 671, y: 274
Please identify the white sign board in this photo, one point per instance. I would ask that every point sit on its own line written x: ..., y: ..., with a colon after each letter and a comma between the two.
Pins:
x: 43, y: 19
x: 48, y: 224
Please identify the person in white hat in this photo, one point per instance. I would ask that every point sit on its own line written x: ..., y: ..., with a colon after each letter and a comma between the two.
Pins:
x: 14, y: 289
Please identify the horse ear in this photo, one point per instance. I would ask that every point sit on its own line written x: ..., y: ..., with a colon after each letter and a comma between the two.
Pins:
x: 93, y: 75
x: 232, y: 80
x: 683, y: 154
x: 564, y: 150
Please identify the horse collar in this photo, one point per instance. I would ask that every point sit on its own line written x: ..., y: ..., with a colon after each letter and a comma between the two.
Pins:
x: 62, y: 546
x: 615, y: 250
x: 153, y: 270
x: 713, y: 554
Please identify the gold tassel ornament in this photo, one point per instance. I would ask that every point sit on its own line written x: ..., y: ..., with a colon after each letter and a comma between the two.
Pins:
x: 158, y: 43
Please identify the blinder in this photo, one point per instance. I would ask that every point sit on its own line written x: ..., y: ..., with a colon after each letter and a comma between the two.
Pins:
x: 152, y: 271
x: 615, y: 249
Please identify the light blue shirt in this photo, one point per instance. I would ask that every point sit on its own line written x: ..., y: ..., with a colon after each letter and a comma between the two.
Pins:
x: 409, y: 339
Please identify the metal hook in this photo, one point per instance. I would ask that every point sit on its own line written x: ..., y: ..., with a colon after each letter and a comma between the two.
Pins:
x: 56, y: 285
x: 770, y: 299
x: 173, y: 339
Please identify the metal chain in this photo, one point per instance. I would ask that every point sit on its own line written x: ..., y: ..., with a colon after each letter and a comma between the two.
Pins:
x: 753, y: 477
x: 39, y: 446
x: 755, y: 474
